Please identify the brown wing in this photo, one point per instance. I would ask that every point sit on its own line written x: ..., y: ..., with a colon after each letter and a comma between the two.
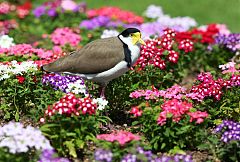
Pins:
x: 97, y: 56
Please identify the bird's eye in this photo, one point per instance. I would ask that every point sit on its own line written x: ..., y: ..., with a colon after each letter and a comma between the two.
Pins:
x: 131, y: 34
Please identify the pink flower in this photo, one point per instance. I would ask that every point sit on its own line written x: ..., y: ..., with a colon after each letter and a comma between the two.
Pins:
x: 116, y: 13
x: 122, y: 137
x: 68, y: 5
x: 137, y: 94
x: 223, y: 29
x: 197, y: 116
x: 136, y: 111
x: 174, y: 107
x: 62, y: 36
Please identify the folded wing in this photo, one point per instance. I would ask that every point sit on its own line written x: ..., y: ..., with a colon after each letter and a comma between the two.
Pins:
x: 97, y: 56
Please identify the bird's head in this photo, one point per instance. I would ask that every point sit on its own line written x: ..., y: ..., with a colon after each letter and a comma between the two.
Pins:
x: 134, y: 34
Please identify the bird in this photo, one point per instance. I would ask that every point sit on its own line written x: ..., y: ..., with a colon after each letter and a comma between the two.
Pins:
x: 101, y: 60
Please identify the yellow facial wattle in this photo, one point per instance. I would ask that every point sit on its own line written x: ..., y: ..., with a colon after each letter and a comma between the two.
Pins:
x: 136, y: 37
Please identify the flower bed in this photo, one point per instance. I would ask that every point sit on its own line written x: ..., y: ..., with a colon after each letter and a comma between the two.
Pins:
x: 181, y: 98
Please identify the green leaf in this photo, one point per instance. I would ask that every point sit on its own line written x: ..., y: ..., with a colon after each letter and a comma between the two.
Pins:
x: 135, y: 123
x: 17, y: 116
x: 155, y: 145
x: 163, y: 145
x: 70, y: 134
x: 176, y: 150
x: 71, y: 148
x: 80, y: 143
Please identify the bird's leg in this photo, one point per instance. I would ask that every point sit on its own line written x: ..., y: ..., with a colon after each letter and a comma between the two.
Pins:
x: 102, y: 91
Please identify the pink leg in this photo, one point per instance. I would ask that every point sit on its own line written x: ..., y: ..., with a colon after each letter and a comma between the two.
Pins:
x: 102, y: 92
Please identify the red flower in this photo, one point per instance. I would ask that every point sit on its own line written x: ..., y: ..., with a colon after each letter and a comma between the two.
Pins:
x: 136, y: 111
x: 34, y: 79
x: 20, y: 79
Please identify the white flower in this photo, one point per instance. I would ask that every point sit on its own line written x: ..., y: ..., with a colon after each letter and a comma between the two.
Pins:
x: 227, y: 65
x: 14, y: 68
x: 154, y: 11
x: 184, y: 22
x: 19, y: 139
x: 77, y: 87
x: 109, y: 33
x: 101, y: 102
x: 6, y: 41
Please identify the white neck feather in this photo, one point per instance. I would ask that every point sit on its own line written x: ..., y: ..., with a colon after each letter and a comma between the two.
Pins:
x: 126, y: 40
x: 135, y: 49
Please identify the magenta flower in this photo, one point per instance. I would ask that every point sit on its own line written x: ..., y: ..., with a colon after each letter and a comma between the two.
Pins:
x: 197, y: 116
x: 62, y: 36
x: 122, y: 137
x: 136, y: 111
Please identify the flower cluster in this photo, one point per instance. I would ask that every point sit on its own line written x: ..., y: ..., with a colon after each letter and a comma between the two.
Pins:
x: 186, y: 45
x: 157, y: 51
x: 69, y: 105
x: 208, y: 86
x: 51, y: 8
x: 205, y: 35
x: 19, y: 139
x: 28, y: 50
x: 175, y: 91
x: 15, y: 68
x: 164, y: 158
x: 153, y: 11
x: 99, y: 21
x: 48, y: 155
x: 6, y: 41
x: 230, y: 41
x: 116, y: 13
x: 62, y: 36
x: 5, y: 8
x: 230, y: 130
x: 109, y: 33
x: 177, y: 109
x: 66, y: 83
x: 7, y: 25
x: 229, y: 67
x: 140, y: 155
x: 103, y: 155
x: 136, y: 111
x: 21, y: 10
x: 183, y: 23
x: 122, y: 137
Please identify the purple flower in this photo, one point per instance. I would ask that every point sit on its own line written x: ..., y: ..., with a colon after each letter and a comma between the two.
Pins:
x: 39, y: 11
x: 230, y: 131
x: 96, y: 22
x: 103, y: 155
x: 230, y: 41
x: 48, y: 155
x: 52, y: 12
x: 64, y: 83
x: 129, y: 158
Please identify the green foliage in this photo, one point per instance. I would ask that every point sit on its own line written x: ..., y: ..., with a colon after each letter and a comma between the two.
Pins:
x: 171, y: 137
x: 219, y: 150
x: 18, y: 157
x: 70, y: 134
x: 228, y: 108
x: 29, y: 98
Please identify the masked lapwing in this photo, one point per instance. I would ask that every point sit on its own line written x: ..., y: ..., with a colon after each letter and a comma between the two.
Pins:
x: 103, y: 59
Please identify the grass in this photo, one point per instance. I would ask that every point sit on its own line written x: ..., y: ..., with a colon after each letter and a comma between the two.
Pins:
x: 203, y: 11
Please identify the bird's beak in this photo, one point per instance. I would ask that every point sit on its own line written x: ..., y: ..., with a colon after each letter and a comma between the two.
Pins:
x: 136, y: 37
